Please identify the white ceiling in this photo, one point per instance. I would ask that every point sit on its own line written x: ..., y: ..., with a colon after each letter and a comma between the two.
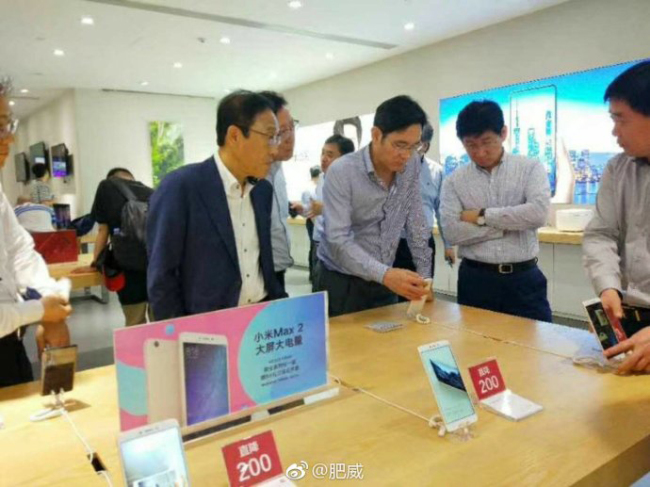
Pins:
x: 272, y: 46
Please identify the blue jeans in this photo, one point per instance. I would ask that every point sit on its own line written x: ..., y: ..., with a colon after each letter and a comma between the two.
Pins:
x: 520, y: 293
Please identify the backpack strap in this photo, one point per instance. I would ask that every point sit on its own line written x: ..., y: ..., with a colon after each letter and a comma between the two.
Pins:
x: 124, y: 189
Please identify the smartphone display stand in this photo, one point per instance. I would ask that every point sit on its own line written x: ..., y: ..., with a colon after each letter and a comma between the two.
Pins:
x: 462, y: 434
x: 419, y: 318
x: 53, y: 409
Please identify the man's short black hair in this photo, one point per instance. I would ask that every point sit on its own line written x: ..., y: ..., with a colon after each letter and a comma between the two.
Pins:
x: 116, y: 170
x: 314, y: 172
x: 39, y: 170
x: 344, y: 144
x: 479, y: 117
x: 398, y: 114
x: 240, y: 109
x: 277, y: 100
x: 633, y: 87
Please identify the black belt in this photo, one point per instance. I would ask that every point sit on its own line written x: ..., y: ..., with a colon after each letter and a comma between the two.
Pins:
x: 503, y: 268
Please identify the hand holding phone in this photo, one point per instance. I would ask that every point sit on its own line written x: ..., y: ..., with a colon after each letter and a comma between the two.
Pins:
x: 416, y: 306
x: 52, y: 335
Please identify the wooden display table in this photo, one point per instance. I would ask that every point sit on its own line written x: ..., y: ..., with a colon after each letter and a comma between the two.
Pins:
x: 594, y: 429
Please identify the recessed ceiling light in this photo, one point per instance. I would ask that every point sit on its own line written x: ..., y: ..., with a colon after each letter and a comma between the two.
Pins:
x: 409, y: 26
x: 87, y: 20
x: 24, y: 90
x: 59, y: 52
x: 144, y: 83
x: 178, y: 65
x: 12, y: 103
x: 329, y: 55
x: 294, y: 4
x: 225, y: 40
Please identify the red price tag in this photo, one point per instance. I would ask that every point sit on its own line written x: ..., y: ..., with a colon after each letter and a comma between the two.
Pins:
x: 252, y: 460
x: 487, y: 379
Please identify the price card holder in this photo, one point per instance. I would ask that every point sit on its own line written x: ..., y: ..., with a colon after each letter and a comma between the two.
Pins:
x: 253, y: 461
x: 487, y: 379
x: 495, y: 397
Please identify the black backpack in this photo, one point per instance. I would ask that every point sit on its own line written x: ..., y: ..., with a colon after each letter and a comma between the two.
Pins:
x: 129, y: 242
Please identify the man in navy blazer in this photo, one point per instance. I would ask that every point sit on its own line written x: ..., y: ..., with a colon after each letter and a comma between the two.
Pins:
x: 208, y: 227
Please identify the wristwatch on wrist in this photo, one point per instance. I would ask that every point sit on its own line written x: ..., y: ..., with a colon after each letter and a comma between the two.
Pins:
x: 480, y: 221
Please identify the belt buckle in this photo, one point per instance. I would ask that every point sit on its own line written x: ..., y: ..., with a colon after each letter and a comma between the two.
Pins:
x: 506, y: 269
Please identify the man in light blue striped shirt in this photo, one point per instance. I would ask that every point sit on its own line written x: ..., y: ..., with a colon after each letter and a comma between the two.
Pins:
x: 280, y: 241
x: 335, y: 146
x: 431, y: 174
x: 369, y: 196
x: 492, y: 209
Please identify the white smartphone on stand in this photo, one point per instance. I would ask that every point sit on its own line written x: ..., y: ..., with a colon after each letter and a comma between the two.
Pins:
x: 415, y: 308
x: 451, y: 395
x: 162, y: 367
x: 205, y: 387
x: 153, y: 456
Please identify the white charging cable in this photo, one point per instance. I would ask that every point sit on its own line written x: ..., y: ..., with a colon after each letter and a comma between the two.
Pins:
x: 89, y: 451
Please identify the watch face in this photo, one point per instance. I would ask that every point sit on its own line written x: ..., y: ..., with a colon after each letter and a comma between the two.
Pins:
x: 480, y: 220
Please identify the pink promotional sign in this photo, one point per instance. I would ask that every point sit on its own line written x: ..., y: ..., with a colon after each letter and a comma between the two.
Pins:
x: 203, y: 367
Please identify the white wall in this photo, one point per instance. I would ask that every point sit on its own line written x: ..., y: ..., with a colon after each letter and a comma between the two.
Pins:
x: 108, y: 129
x: 573, y: 36
x: 54, y: 124
x: 113, y: 131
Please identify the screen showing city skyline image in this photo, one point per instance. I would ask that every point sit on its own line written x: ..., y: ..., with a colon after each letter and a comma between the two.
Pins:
x: 562, y: 121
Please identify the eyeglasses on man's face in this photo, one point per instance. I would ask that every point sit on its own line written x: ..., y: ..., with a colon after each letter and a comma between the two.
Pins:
x: 274, y: 140
x: 488, y: 143
x: 405, y: 148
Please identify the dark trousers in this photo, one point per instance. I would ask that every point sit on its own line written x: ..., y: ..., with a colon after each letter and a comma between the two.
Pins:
x: 520, y: 293
x: 280, y: 277
x: 313, y: 261
x: 349, y: 294
x: 310, y: 232
x: 404, y: 258
x: 14, y: 364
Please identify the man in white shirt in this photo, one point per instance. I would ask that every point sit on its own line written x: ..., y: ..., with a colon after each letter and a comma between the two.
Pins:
x: 22, y: 270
